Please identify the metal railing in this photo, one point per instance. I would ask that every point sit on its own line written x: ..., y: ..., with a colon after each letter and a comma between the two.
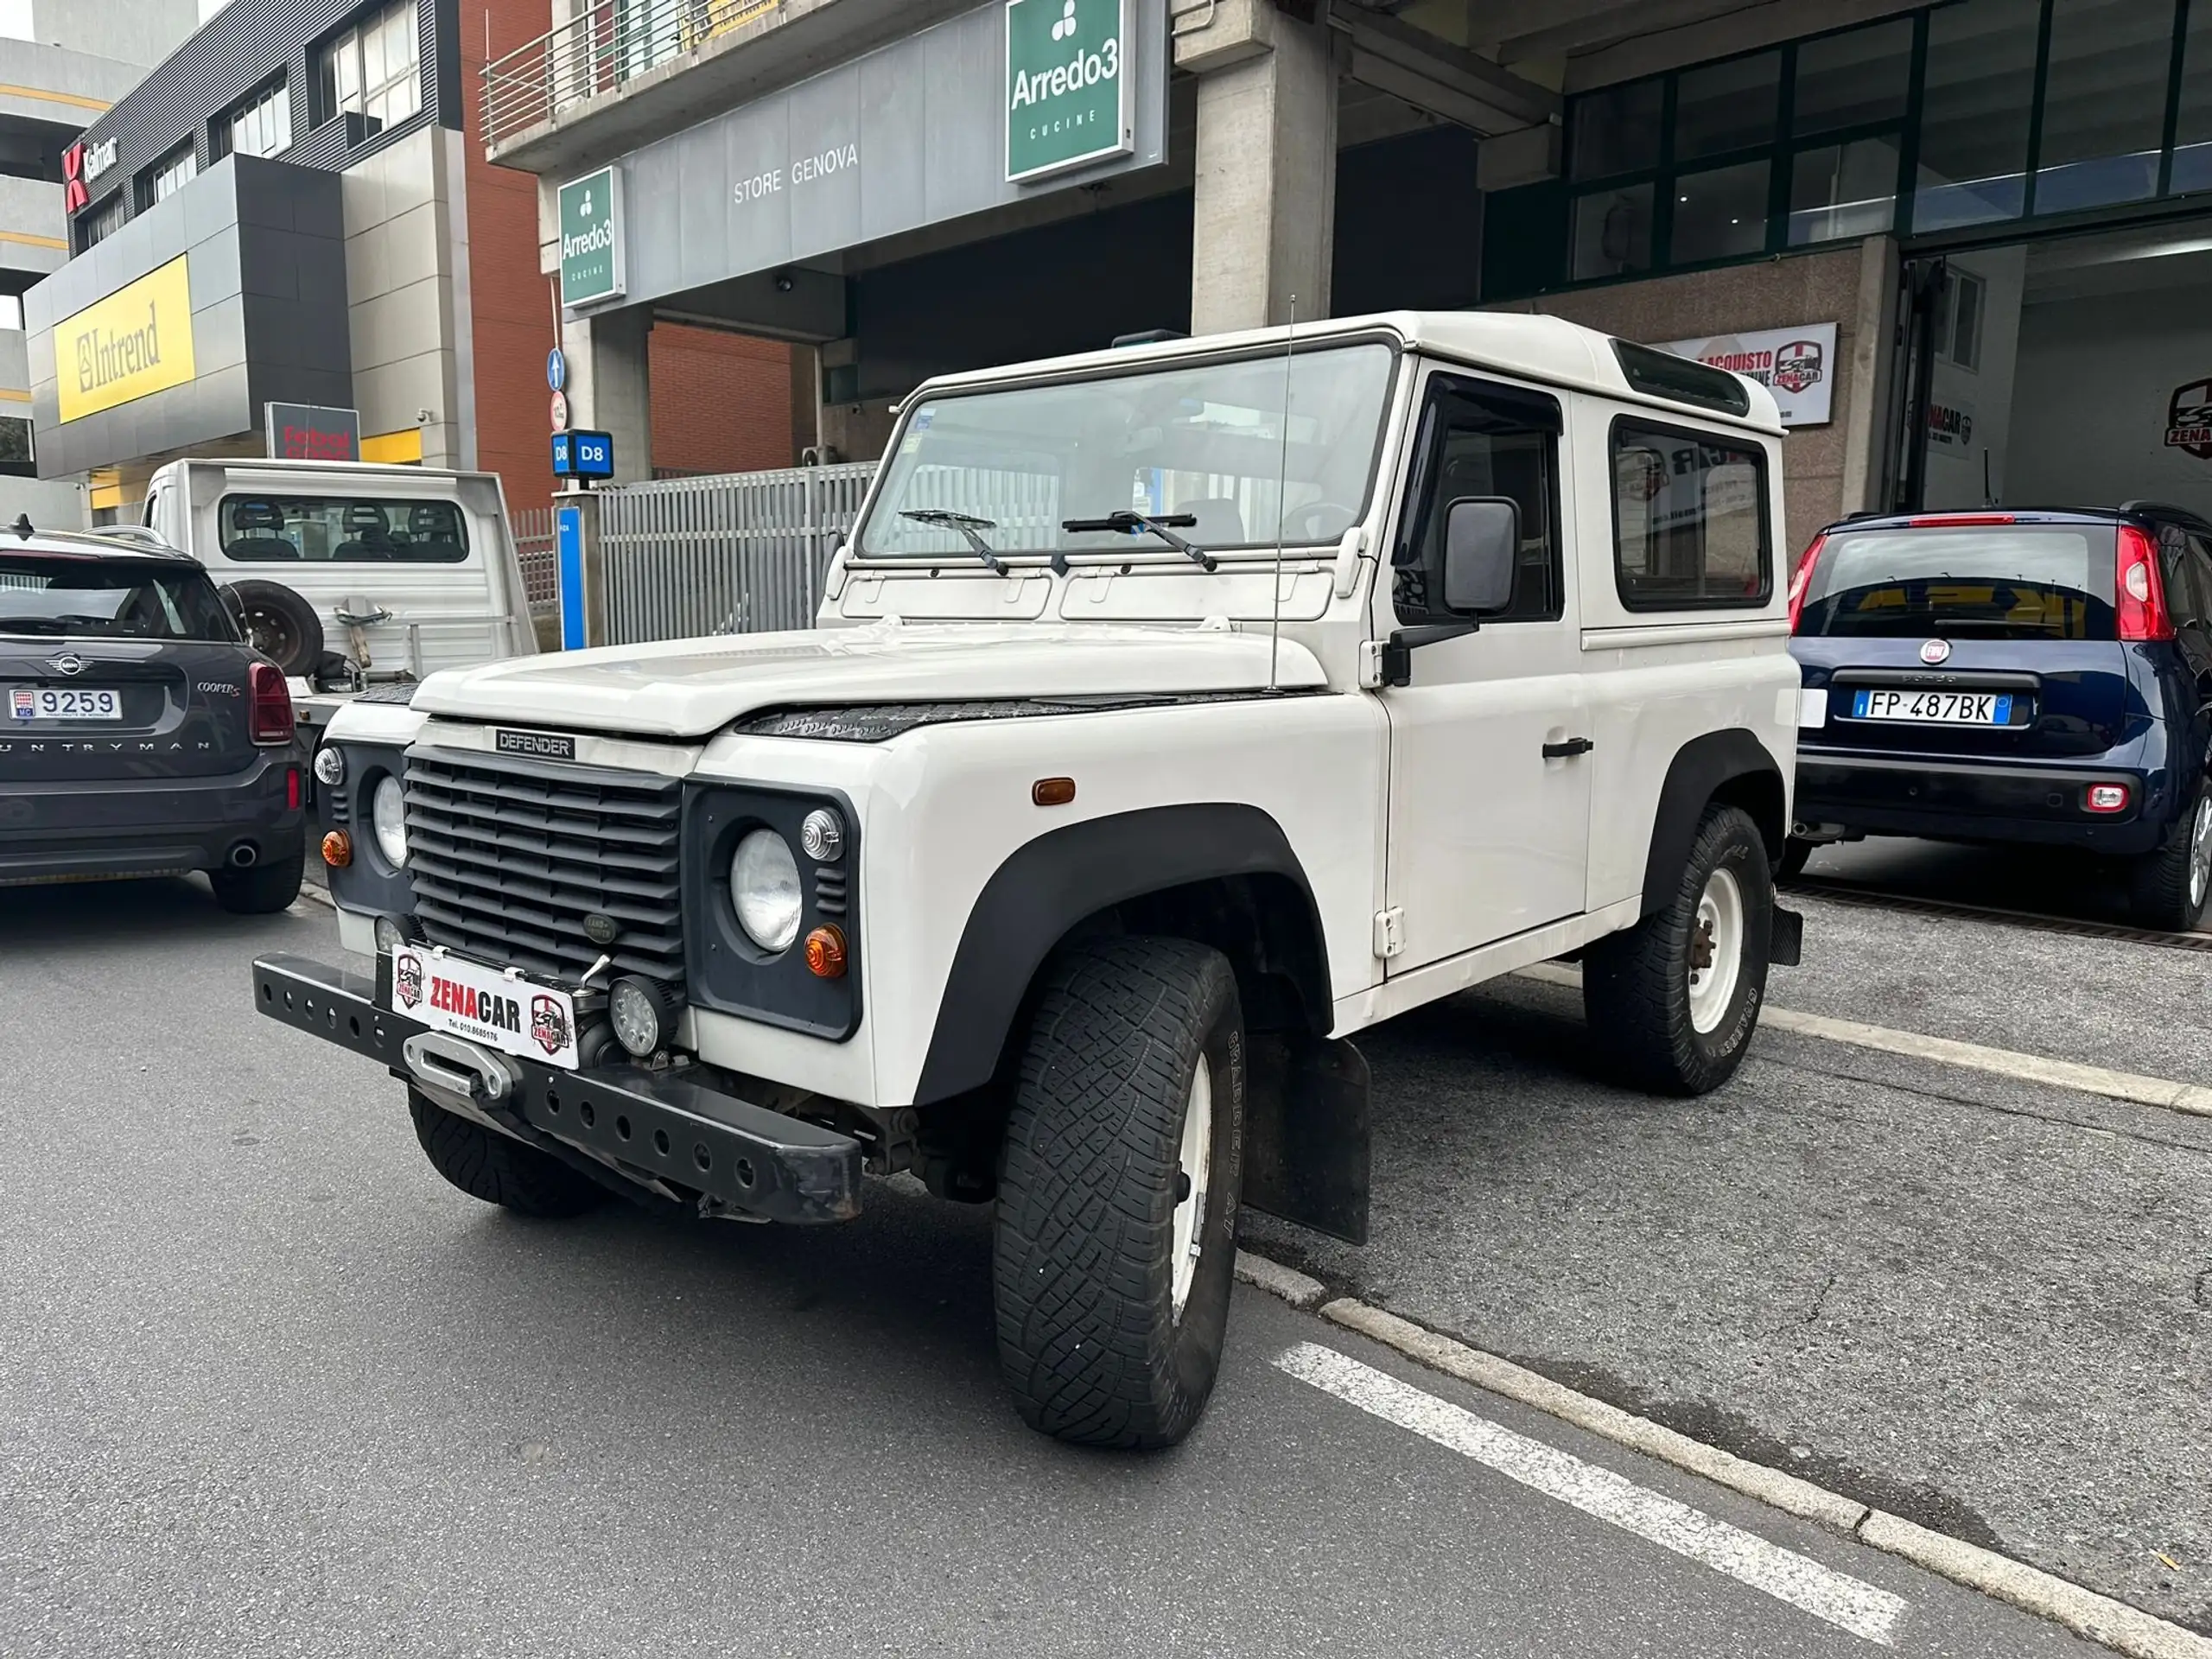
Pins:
x: 607, y: 44
x: 541, y: 569
x: 733, y: 553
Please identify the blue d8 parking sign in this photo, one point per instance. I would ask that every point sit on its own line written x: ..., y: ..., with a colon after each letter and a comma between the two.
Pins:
x: 583, y: 454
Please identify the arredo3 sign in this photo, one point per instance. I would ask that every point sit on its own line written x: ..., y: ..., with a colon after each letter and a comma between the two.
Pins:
x: 976, y: 112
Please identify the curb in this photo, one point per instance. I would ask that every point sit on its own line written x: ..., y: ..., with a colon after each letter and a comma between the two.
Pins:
x: 2098, y: 1618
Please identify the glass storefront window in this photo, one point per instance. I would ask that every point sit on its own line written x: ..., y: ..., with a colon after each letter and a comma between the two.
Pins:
x: 2104, y: 111
x: 2193, y: 133
x: 1978, y: 101
x: 1858, y: 79
x: 1841, y: 190
x: 1727, y: 106
x: 1611, y: 232
x: 1617, y: 130
x: 1719, y: 214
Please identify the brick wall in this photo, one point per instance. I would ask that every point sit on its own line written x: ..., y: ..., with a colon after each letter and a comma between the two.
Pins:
x: 511, y: 303
x: 721, y: 403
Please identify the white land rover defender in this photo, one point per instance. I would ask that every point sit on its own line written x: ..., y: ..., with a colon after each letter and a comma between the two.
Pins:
x: 1175, y: 714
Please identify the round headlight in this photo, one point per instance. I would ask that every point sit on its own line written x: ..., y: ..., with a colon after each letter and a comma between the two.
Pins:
x: 388, y: 817
x: 390, y: 938
x: 642, y: 1018
x: 764, y: 889
x: 822, y: 837
x: 330, y: 766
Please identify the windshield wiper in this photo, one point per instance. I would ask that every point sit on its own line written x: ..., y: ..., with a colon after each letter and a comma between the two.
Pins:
x: 1126, y: 522
x: 968, y: 524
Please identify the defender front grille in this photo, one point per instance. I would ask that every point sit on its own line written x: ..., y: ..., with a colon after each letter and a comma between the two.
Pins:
x: 508, y: 857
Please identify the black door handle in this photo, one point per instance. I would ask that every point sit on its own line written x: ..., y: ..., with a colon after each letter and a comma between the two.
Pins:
x: 1568, y: 750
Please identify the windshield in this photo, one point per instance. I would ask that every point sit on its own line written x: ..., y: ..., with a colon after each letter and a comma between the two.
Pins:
x: 85, y: 599
x: 343, y: 529
x: 2007, y: 582
x: 1202, y: 444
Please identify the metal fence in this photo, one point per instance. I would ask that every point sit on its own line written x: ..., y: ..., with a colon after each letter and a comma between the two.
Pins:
x: 732, y: 553
x: 541, y: 570
x: 605, y: 45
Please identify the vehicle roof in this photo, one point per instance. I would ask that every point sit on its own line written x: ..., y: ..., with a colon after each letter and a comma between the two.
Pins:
x: 395, y: 471
x: 91, y: 544
x: 1550, y: 350
x: 2127, y: 512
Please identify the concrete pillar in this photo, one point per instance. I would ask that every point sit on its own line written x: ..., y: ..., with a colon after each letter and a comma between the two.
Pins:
x: 610, y: 383
x: 1265, y: 214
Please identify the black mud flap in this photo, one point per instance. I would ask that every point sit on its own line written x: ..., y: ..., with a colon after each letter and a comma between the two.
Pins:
x: 1306, y: 1114
x: 1787, y: 948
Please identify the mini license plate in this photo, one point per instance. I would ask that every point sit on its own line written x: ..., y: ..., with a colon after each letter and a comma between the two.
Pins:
x: 486, y: 1006
x: 1935, y: 707
x: 66, y: 703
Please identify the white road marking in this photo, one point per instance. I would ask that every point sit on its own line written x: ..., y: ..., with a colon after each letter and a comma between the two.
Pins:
x: 2193, y: 1098
x: 1842, y: 1601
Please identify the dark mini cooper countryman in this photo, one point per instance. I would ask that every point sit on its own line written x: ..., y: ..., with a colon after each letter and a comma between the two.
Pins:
x: 2015, y: 677
x: 139, y: 734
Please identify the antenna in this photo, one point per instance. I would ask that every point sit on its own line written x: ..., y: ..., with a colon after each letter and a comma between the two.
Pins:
x: 1282, y: 492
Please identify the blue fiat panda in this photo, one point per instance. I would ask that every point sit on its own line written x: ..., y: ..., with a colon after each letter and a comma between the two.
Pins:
x: 2014, y: 677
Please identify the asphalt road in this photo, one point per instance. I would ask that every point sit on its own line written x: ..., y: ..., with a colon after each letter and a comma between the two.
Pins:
x: 270, y: 1388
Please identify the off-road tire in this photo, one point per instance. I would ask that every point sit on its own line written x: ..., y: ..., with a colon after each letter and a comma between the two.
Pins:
x: 1794, y: 855
x: 262, y: 890
x: 1635, y: 983
x: 1088, y: 1186
x: 278, y: 623
x: 2158, y: 884
x: 498, y: 1170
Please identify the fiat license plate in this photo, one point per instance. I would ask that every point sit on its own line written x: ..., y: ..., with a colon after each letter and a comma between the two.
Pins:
x: 487, y: 1005
x: 66, y: 703
x: 1935, y: 707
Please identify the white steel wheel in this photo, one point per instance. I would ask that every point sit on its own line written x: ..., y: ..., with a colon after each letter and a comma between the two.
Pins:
x: 2200, y: 853
x: 1194, y: 1163
x: 1716, y: 952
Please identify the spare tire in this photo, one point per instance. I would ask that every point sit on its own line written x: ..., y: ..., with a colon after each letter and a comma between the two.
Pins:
x: 278, y: 624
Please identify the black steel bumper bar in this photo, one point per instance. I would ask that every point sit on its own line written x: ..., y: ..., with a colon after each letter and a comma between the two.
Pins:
x: 659, y: 1126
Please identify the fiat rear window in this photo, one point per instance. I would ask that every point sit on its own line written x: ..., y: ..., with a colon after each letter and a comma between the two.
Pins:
x: 1990, y: 581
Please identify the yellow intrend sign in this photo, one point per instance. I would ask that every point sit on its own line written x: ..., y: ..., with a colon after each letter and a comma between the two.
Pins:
x: 135, y: 343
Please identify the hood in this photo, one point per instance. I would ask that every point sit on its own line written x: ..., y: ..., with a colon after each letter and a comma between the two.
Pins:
x: 692, y: 688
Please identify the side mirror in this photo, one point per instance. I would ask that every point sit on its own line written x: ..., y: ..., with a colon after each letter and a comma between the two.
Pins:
x: 1481, y: 548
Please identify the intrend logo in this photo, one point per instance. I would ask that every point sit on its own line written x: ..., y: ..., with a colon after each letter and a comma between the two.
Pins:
x: 103, y: 357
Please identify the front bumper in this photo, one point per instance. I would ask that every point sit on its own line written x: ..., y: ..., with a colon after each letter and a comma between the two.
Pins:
x: 1878, y: 795
x: 131, y: 827
x: 659, y: 1131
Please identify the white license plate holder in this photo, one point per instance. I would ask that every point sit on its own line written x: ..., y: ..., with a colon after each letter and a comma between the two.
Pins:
x: 495, y: 1007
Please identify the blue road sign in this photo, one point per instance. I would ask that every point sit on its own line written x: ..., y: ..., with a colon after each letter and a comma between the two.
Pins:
x: 568, y: 545
x: 583, y: 454
x: 556, y: 370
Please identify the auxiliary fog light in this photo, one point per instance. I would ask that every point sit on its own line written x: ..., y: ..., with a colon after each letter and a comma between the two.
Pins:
x: 389, y: 935
x: 643, y: 1016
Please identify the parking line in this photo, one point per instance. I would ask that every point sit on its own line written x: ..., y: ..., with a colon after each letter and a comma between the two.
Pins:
x: 2192, y: 1098
x: 1846, y: 1603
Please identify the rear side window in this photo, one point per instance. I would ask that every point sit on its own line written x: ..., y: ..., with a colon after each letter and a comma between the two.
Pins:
x: 89, y: 599
x: 1995, y: 581
x: 1690, y: 529
x: 340, y: 529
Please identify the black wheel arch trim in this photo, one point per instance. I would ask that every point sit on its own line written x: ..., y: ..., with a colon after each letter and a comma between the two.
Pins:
x: 1702, y: 768
x: 1049, y: 885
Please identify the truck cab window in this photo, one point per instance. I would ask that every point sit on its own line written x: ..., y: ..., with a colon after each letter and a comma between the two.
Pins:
x: 1480, y: 439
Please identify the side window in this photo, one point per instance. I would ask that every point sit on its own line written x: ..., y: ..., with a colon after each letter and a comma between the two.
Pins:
x: 1480, y: 439
x: 1690, y: 529
x: 2200, y: 569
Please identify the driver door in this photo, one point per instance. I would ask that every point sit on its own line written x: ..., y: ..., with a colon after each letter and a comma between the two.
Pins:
x: 1489, y: 805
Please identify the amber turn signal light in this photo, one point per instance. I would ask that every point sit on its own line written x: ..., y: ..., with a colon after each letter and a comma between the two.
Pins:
x: 1052, y: 791
x: 338, y: 849
x: 825, y: 953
